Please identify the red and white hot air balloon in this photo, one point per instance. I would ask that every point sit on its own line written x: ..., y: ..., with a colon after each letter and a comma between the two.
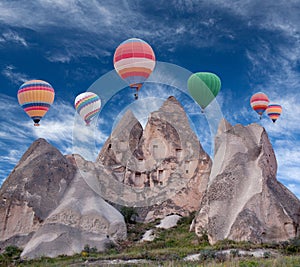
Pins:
x: 134, y: 61
x: 259, y: 103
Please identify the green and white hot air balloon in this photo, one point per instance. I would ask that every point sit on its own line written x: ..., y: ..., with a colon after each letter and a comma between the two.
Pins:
x: 204, y: 87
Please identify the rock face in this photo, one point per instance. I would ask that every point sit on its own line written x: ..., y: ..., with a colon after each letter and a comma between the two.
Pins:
x: 32, y: 190
x: 53, y: 204
x: 81, y: 218
x: 47, y: 208
x: 244, y: 201
x: 166, y: 157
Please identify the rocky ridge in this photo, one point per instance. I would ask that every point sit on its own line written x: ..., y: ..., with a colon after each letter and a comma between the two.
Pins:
x: 53, y: 204
x: 244, y: 201
x: 166, y: 155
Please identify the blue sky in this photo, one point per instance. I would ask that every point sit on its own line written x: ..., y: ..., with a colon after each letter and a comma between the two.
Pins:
x: 251, y: 45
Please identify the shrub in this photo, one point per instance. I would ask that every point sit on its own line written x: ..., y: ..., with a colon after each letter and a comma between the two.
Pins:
x: 86, y: 248
x: 207, y: 254
x: 13, y: 251
x: 203, y: 239
x: 234, y: 253
x: 220, y: 257
x: 84, y: 254
x: 129, y: 214
x: 187, y: 220
x: 267, y: 254
x: 225, y: 244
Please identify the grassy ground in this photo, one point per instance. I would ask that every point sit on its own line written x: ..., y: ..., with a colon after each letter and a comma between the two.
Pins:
x: 168, y: 249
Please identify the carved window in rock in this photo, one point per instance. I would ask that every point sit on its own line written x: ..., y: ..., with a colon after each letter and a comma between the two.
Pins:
x: 155, y: 151
x: 138, y: 175
x: 158, y: 148
x: 187, y: 167
x: 160, y: 175
x: 109, y: 146
x: 178, y: 153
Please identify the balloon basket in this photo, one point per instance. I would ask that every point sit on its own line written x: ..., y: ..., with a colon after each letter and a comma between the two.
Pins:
x: 36, y: 124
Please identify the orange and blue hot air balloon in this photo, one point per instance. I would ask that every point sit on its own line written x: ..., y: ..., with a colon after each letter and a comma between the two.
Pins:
x: 274, y: 111
x: 36, y: 97
x: 134, y: 61
x: 259, y: 102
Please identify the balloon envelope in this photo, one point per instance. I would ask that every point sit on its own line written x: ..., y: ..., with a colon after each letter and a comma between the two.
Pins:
x: 259, y: 102
x: 36, y: 97
x: 204, y: 87
x: 134, y: 61
x: 274, y: 111
x: 87, y: 106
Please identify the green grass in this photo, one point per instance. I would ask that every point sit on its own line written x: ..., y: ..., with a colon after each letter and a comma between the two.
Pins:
x: 168, y: 249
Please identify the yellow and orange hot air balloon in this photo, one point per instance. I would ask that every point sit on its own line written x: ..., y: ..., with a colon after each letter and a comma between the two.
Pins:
x: 36, y: 97
x: 134, y: 61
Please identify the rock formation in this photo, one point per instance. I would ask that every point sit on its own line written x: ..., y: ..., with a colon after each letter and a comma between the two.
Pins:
x: 82, y: 217
x: 165, y: 161
x: 244, y: 201
x: 53, y: 204
x: 32, y: 190
x: 47, y: 208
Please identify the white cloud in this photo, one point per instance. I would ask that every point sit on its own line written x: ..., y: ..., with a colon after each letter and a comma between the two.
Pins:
x: 14, y: 37
x: 97, y: 21
x: 62, y: 58
x: 58, y: 127
x: 14, y: 76
x: 12, y: 156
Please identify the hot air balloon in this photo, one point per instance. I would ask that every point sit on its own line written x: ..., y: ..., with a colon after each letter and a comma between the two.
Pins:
x: 204, y: 87
x: 259, y: 102
x: 36, y: 97
x: 87, y: 106
x: 274, y: 111
x: 134, y: 61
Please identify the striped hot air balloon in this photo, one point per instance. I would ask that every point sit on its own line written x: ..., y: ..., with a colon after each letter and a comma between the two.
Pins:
x: 36, y: 97
x: 274, y: 111
x: 87, y: 106
x: 134, y: 61
x: 259, y: 102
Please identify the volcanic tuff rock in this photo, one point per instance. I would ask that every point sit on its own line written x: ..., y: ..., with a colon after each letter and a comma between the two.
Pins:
x: 32, y: 190
x: 82, y: 217
x: 47, y: 206
x: 244, y: 201
x: 166, y: 157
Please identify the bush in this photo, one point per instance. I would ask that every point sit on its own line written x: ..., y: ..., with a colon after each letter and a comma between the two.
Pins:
x: 234, y: 253
x: 207, y: 254
x: 129, y: 214
x: 220, y: 257
x: 203, y: 239
x: 86, y: 248
x: 225, y: 244
x: 13, y: 251
x: 187, y: 220
x: 293, y: 246
x: 93, y: 250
